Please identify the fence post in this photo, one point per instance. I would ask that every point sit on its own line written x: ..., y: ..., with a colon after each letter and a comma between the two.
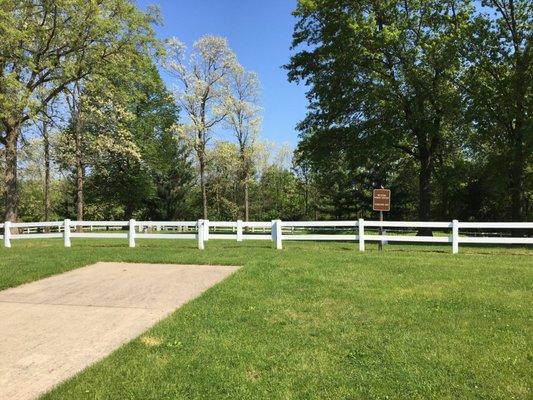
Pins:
x: 239, y: 230
x: 66, y: 232
x: 7, y: 234
x: 206, y: 230
x: 131, y: 233
x: 361, y: 225
x: 455, y: 236
x: 276, y: 233
x: 200, y: 234
x: 279, y: 244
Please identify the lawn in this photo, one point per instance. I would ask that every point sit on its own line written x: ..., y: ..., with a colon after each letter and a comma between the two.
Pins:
x: 315, y: 321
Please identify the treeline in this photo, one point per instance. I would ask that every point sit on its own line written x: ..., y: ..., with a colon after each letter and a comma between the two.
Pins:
x: 83, y: 69
x: 90, y: 131
x: 169, y: 186
x: 431, y: 99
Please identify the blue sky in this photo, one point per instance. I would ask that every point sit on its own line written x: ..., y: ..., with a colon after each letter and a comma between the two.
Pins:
x: 259, y: 32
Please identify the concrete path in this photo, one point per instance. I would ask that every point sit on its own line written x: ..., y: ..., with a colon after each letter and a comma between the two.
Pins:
x: 53, y: 328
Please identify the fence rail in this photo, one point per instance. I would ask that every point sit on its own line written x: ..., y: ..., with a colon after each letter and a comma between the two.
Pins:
x: 276, y: 231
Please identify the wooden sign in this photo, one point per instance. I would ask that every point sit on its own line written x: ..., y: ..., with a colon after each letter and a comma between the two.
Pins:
x: 381, y: 200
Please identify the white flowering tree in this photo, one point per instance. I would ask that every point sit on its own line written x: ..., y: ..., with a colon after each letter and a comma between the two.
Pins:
x: 97, y: 130
x: 244, y: 120
x: 46, y: 46
x: 201, y: 92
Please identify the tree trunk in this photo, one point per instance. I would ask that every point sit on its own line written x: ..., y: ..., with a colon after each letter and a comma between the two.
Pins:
x: 516, y: 178
x: 128, y: 211
x: 244, y: 177
x: 516, y: 187
x: 79, y: 169
x: 203, y: 185
x: 424, y: 191
x: 246, y: 201
x: 519, y: 121
x: 306, y: 198
x: 244, y: 180
x: 10, y: 179
x: 46, y: 143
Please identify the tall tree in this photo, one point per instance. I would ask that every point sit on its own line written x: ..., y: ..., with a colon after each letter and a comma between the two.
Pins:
x: 224, y: 180
x: 202, y: 92
x: 76, y: 138
x: 381, y: 77
x: 244, y: 120
x: 31, y: 178
x: 173, y: 178
x: 45, y: 124
x: 99, y: 135
x: 47, y: 45
x: 499, y: 85
x: 135, y: 181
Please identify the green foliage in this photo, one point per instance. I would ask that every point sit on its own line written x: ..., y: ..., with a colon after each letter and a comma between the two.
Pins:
x: 47, y: 45
x: 173, y: 177
x: 277, y: 195
x: 134, y: 161
x: 274, y: 191
x: 419, y: 91
x: 500, y: 89
x: 432, y: 99
x: 223, y: 182
x: 381, y: 82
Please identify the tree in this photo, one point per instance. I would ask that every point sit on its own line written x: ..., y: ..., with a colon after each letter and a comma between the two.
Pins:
x: 243, y: 118
x: 381, y: 77
x: 48, y: 45
x: 275, y: 192
x: 160, y: 165
x: 45, y: 120
x: 224, y: 180
x: 77, y: 138
x: 164, y: 156
x: 499, y: 85
x: 33, y: 174
x: 306, y: 179
x: 132, y: 162
x: 277, y: 195
x: 97, y: 135
x: 173, y: 178
x: 202, y: 92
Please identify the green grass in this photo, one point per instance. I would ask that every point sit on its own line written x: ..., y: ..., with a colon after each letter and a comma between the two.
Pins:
x: 315, y: 321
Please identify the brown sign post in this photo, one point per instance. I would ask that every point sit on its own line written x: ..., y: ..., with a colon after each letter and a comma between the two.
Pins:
x: 381, y: 202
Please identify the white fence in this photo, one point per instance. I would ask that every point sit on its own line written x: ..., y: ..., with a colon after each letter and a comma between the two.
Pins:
x: 276, y: 231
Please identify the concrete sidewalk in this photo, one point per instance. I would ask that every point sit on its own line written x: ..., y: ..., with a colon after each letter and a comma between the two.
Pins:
x: 53, y: 328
